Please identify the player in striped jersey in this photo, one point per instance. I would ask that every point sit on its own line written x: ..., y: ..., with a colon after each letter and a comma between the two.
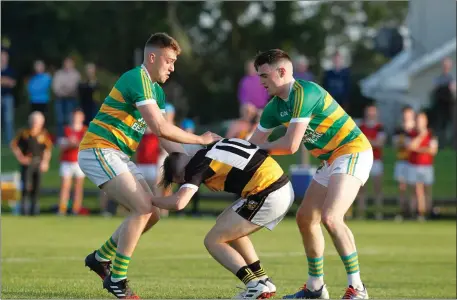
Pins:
x: 134, y: 103
x: 314, y: 118
x: 266, y: 194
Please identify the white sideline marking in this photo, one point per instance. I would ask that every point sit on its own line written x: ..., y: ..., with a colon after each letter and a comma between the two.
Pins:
x: 175, y: 257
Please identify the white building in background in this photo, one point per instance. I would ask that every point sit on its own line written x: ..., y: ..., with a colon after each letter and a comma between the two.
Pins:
x: 409, y: 77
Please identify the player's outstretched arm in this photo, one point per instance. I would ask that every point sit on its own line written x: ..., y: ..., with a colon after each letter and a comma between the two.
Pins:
x: 290, y: 142
x: 162, y: 128
x: 177, y: 201
x: 259, y: 137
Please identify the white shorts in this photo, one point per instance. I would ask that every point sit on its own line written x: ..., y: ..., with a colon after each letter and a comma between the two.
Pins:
x: 70, y: 169
x: 355, y: 164
x: 421, y: 174
x: 149, y: 171
x: 401, y: 170
x: 269, y: 211
x: 102, y: 165
x: 377, y: 169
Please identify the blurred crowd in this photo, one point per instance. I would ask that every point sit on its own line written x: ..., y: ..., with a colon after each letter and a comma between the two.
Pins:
x: 77, y: 98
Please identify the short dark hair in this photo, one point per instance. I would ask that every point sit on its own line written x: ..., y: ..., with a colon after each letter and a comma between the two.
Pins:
x: 270, y: 57
x: 170, y: 168
x: 407, y: 107
x: 163, y: 40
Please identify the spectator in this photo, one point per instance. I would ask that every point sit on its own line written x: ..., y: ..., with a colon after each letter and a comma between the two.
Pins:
x: 242, y: 127
x: 251, y: 93
x: 147, y: 157
x: 443, y: 101
x: 423, y: 147
x: 401, y: 165
x: 39, y: 87
x: 301, y: 69
x: 89, y: 93
x: 32, y: 149
x: 69, y: 166
x: 374, y: 131
x: 170, y: 116
x: 189, y: 126
x: 65, y: 87
x: 8, y: 84
x: 337, y: 81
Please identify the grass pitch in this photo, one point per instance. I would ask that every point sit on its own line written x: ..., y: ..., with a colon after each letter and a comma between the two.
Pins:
x: 43, y: 257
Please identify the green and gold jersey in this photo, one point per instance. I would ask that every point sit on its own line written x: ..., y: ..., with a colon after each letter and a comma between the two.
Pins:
x: 118, y: 124
x: 331, y: 131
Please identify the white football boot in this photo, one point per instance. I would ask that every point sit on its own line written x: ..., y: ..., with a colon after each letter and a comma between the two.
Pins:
x: 254, y: 290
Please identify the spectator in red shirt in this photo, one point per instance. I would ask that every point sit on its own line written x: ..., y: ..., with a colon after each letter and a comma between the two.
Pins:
x: 147, y: 157
x: 374, y: 131
x: 69, y: 167
x: 423, y: 147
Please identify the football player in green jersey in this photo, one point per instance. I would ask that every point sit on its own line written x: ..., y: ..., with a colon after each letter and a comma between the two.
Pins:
x: 314, y: 118
x: 136, y: 102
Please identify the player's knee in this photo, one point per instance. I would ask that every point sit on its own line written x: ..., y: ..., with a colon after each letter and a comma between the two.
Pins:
x: 332, y: 221
x: 144, y: 207
x: 209, y: 241
x: 305, y: 219
x: 153, y: 219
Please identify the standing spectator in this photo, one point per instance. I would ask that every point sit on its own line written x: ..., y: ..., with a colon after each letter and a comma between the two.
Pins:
x: 242, y: 127
x: 8, y: 83
x: 423, y: 147
x: 65, y: 87
x: 39, y: 88
x: 337, y: 81
x: 443, y: 102
x: 69, y: 166
x: 374, y: 131
x: 170, y: 114
x: 301, y: 69
x: 189, y: 126
x: 251, y: 93
x: 89, y: 93
x: 147, y: 156
x: 401, y: 165
x: 32, y: 149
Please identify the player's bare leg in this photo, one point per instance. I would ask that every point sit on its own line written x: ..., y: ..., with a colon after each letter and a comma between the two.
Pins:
x: 309, y: 223
x: 378, y: 196
x: 65, y: 188
x: 341, y: 193
x: 229, y: 227
x: 78, y: 194
x: 428, y: 198
x: 135, y: 196
x: 421, y: 201
x: 246, y: 249
x: 403, y: 200
x: 361, y: 203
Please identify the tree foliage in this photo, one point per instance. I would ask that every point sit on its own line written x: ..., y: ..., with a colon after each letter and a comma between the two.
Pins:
x: 214, y: 52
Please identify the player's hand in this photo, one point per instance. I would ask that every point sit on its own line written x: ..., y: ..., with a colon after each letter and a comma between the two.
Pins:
x: 44, y: 167
x: 209, y: 137
x: 25, y: 160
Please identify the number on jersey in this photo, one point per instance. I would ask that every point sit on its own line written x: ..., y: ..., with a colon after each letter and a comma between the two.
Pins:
x: 233, y: 152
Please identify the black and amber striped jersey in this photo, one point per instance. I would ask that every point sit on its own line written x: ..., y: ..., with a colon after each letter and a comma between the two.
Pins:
x: 235, y: 166
x: 401, y: 135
